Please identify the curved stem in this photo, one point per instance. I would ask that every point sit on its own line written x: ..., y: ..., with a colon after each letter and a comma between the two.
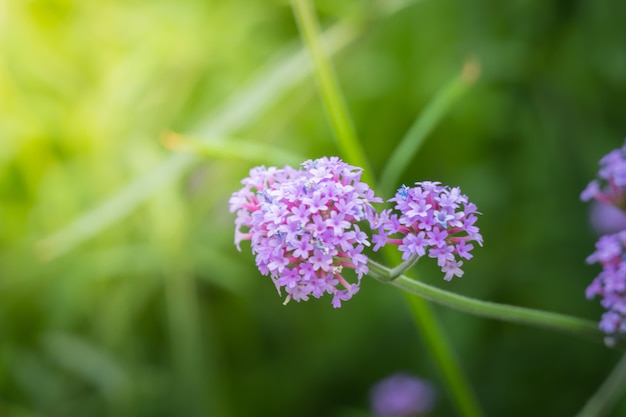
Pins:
x: 504, y: 312
x: 403, y: 267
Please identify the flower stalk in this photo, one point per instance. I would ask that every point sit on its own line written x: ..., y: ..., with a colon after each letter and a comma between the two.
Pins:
x: 403, y: 267
x: 503, y: 312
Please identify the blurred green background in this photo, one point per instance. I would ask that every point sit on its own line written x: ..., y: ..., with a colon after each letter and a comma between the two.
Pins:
x: 121, y: 293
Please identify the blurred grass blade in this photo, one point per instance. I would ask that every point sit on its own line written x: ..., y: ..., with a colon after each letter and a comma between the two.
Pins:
x: 193, y: 360
x: 456, y: 383
x: 439, y: 347
x: 89, y: 363
x: 234, y: 149
x: 425, y: 123
x: 114, y: 209
x: 608, y: 394
x: 286, y: 71
x: 334, y: 103
x: 282, y: 73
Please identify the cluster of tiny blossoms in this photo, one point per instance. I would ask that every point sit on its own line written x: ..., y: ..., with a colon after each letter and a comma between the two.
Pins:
x: 302, y: 225
x: 610, y: 253
x: 433, y: 220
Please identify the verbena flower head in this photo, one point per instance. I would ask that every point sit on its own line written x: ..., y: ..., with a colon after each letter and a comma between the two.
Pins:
x: 402, y: 395
x: 302, y: 225
x: 610, y: 187
x: 610, y: 284
x: 433, y: 220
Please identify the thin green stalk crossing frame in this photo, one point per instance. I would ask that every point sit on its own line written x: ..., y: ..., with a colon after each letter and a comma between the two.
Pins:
x: 330, y: 92
x: 436, y: 341
x: 352, y: 151
x: 504, y: 312
x: 434, y: 111
x: 442, y: 352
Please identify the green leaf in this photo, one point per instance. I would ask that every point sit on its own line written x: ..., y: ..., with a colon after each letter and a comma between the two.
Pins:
x: 426, y: 121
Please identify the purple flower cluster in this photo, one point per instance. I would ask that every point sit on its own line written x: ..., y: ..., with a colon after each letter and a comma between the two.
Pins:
x: 610, y: 284
x: 609, y: 191
x: 610, y: 187
x: 302, y: 225
x: 433, y: 220
x: 402, y: 395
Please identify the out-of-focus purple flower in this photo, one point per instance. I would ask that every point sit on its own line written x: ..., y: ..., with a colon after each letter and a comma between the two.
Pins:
x: 608, y: 215
x: 610, y: 187
x: 402, y: 395
x: 432, y: 220
x: 610, y: 284
x: 302, y: 225
x: 606, y: 218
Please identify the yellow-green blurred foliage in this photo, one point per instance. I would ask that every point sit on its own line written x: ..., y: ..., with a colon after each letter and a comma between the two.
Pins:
x: 121, y: 293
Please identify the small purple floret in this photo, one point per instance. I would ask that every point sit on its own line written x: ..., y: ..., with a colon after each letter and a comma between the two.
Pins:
x: 302, y: 226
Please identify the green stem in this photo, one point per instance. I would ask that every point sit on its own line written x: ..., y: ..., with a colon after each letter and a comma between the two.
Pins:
x: 520, y: 315
x: 607, y: 395
x: 439, y: 347
x: 332, y: 98
x: 456, y: 382
x: 352, y: 151
x: 403, y: 267
x: 425, y: 123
